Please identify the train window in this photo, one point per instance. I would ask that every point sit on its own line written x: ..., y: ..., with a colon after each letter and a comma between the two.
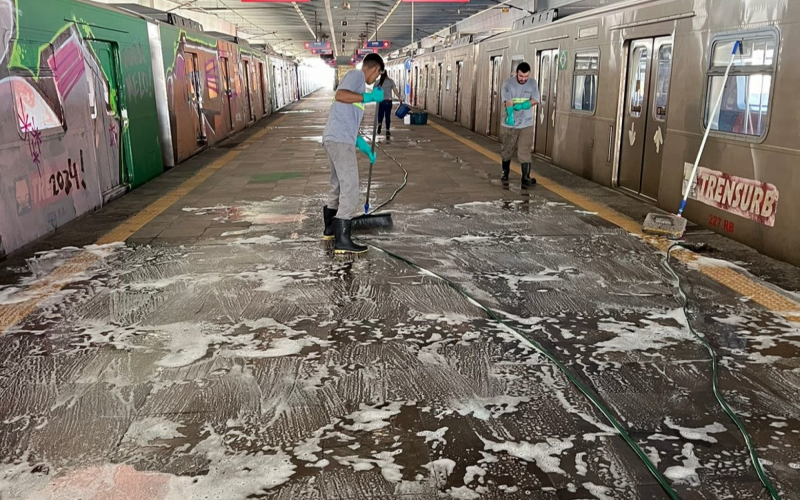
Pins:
x: 638, y: 81
x: 744, y: 109
x: 584, y: 80
x: 449, y: 78
x: 662, y: 82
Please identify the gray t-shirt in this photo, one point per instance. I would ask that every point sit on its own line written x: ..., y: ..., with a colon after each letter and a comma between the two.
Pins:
x: 513, y: 91
x: 387, y: 87
x: 344, y: 119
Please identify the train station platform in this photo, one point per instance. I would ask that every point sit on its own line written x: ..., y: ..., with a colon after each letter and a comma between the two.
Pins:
x: 196, y: 339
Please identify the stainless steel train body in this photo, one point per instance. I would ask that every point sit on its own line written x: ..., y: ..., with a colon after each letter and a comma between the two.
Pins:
x: 627, y: 92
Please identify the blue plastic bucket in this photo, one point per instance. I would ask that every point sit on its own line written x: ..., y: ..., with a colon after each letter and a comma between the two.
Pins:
x: 402, y: 110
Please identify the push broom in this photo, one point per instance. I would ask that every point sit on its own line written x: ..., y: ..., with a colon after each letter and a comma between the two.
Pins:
x: 372, y: 219
x: 673, y: 226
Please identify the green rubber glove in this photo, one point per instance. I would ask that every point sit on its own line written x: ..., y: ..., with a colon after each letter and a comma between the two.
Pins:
x: 375, y: 96
x: 510, y: 117
x: 363, y: 146
x: 522, y: 105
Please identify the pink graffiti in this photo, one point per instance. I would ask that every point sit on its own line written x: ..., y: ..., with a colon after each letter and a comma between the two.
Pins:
x: 112, y: 132
x: 31, y: 135
x: 68, y: 66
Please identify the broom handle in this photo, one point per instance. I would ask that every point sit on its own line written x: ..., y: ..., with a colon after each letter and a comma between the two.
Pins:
x: 717, y: 106
x: 371, y: 164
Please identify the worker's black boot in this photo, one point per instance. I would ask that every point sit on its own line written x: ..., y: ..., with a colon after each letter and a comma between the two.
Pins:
x: 506, y: 170
x: 344, y: 245
x: 327, y: 215
x: 526, y: 173
x: 379, y: 127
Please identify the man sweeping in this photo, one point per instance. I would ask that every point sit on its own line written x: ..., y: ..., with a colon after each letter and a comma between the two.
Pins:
x: 340, y: 140
x: 520, y: 94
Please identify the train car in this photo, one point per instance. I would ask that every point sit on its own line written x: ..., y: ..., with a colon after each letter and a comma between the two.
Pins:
x: 101, y: 100
x: 616, y: 110
x: 81, y: 121
x: 215, y: 88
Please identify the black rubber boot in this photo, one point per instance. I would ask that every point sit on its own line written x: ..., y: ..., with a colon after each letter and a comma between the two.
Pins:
x: 388, y: 135
x: 506, y: 170
x: 526, y: 176
x: 327, y: 215
x: 379, y: 127
x: 344, y: 245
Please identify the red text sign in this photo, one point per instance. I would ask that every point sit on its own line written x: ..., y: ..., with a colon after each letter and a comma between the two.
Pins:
x: 754, y: 200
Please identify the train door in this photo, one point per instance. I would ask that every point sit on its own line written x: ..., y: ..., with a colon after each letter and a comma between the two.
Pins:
x: 195, y: 92
x: 247, y: 89
x: 425, y: 89
x: 103, y: 87
x: 546, y: 110
x: 644, y: 115
x: 459, y: 67
x: 439, y: 93
x: 262, y: 82
x: 493, y: 129
x: 227, y: 105
x: 415, y: 90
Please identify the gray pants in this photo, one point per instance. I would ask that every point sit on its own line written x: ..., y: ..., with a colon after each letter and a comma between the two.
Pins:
x: 519, y: 140
x: 344, y: 179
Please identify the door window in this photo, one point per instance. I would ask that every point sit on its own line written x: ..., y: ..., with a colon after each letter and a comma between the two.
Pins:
x: 662, y: 82
x: 638, y: 81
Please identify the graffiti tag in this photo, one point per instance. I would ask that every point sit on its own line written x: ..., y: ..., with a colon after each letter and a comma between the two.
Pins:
x: 139, y: 84
x: 32, y: 135
x: 112, y: 134
x: 133, y: 56
x: 67, y: 180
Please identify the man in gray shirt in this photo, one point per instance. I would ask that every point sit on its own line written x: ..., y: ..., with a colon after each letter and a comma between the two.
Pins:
x: 520, y: 94
x: 340, y: 140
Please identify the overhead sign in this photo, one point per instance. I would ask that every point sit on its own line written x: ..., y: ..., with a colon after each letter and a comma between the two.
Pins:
x: 751, y: 199
x: 364, y: 52
x: 317, y: 45
x: 321, y: 52
x: 435, y: 1
x: 274, y: 1
x: 377, y: 44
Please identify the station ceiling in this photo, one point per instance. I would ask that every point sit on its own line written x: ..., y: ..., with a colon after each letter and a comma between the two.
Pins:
x: 286, y: 26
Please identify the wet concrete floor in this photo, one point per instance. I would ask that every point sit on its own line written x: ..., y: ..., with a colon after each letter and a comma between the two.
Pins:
x: 222, y: 353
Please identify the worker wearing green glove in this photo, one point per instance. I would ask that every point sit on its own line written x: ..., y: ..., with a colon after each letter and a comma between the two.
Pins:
x: 365, y: 148
x: 340, y: 140
x: 510, y: 117
x: 520, y: 94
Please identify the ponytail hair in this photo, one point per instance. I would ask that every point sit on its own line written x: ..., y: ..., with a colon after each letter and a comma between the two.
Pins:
x: 384, y: 75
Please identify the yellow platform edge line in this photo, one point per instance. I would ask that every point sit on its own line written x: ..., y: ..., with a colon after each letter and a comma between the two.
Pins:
x: 11, y: 314
x: 732, y: 279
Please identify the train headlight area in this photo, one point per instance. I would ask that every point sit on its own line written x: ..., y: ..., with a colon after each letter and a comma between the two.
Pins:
x: 174, y: 325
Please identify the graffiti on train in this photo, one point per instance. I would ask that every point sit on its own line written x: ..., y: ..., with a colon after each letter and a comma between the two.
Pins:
x: 64, y: 133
